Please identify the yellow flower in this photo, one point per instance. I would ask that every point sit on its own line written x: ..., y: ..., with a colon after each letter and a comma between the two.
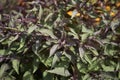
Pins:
x: 70, y: 13
x: 97, y: 19
x: 112, y: 14
x: 118, y: 4
x: 107, y: 8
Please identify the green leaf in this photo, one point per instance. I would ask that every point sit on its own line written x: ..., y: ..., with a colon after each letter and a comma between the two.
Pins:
x: 81, y: 52
x: 107, y: 68
x: 87, y: 58
x: 118, y: 66
x: 114, y: 25
x: 53, y: 49
x: 94, y: 66
x: 48, y: 32
x: 36, y: 46
x: 74, y: 2
x: 48, y: 76
x: 93, y: 1
x: 109, y: 50
x: 3, y: 69
x: 86, y: 77
x: 3, y: 39
x: 0, y: 17
x: 35, y: 64
x: 60, y: 71
x: 22, y: 43
x: 56, y: 58
x: 84, y: 37
x: 12, y: 39
x: 2, y: 52
x: 48, y: 16
x: 31, y: 29
x: 15, y: 38
x: 119, y: 75
x: 73, y: 33
x: 40, y: 13
x: 28, y: 76
x: 85, y: 30
x: 94, y: 51
x: 34, y: 9
x: 70, y: 56
x: 9, y: 77
x: 15, y: 64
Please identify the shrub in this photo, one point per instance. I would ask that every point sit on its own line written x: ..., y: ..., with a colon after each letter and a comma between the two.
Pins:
x: 59, y: 40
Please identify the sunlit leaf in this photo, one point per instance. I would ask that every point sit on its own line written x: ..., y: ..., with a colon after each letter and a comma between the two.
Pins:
x: 73, y: 33
x: 84, y: 37
x: 13, y: 39
x: 119, y: 75
x: 40, y: 13
x: 48, y: 16
x: 94, y: 51
x: 56, y: 58
x: 87, y: 58
x: 70, y: 56
x: 85, y: 30
x: 93, y: 1
x: 86, y: 77
x: 0, y: 17
x: 118, y: 66
x: 107, y: 68
x: 15, y: 64
x: 31, y: 29
x: 48, y: 32
x: 2, y: 52
x: 53, y: 49
x: 3, y: 69
x: 22, y: 43
x: 81, y: 52
x: 60, y: 71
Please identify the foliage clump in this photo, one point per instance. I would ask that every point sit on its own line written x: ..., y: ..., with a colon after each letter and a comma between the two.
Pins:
x: 59, y: 40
